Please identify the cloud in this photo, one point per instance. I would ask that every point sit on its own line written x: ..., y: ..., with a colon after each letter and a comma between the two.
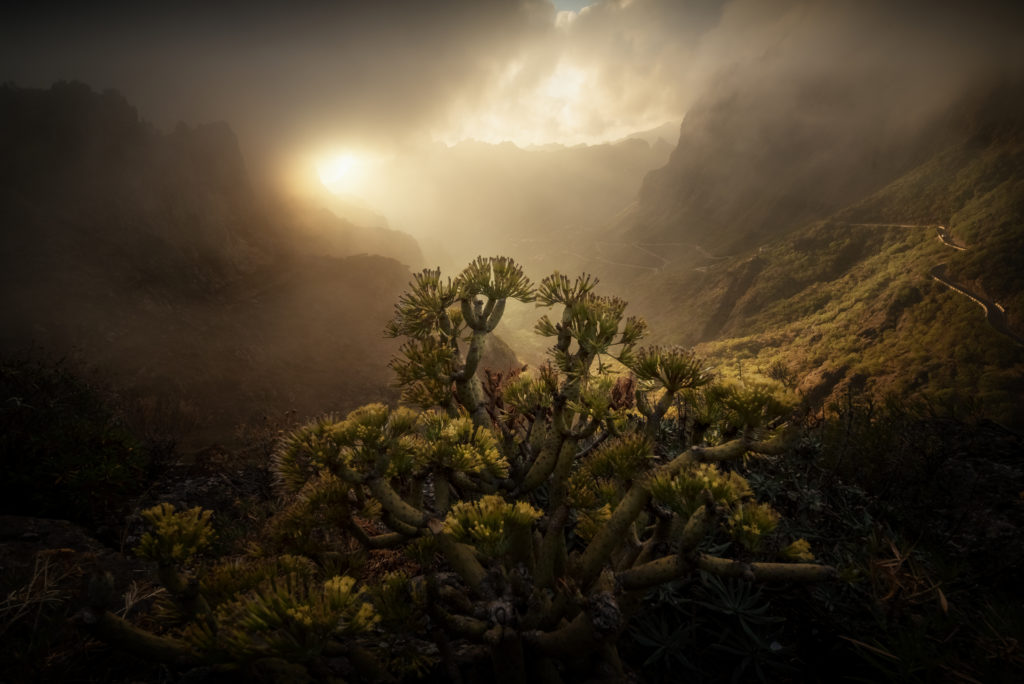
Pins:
x: 368, y: 69
x: 403, y: 71
x: 393, y: 70
x: 908, y: 60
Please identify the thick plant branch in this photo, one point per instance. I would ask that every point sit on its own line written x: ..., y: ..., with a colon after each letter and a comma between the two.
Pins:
x: 451, y: 596
x: 494, y: 317
x: 573, y: 639
x: 657, y: 413
x: 396, y: 525
x: 543, y: 465
x: 473, y: 355
x: 468, y: 388
x: 415, y: 494
x: 122, y: 634
x: 469, y: 313
x: 442, y: 498
x: 599, y: 550
x: 478, y: 483
x: 629, y: 550
x: 608, y: 537
x: 520, y: 547
x: 485, y: 315
x: 394, y: 503
x: 659, y: 537
x: 560, y: 475
x: 775, y: 446
x: 387, y: 540
x: 463, y: 625
x: 552, y: 548
x: 643, y: 403
x: 653, y: 573
x: 460, y: 557
x: 697, y: 527
x: 766, y: 572
x: 586, y: 431
x: 730, y: 451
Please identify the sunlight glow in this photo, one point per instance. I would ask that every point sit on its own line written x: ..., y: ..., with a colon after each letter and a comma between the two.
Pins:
x: 342, y: 173
x: 563, y: 103
x: 564, y: 86
x: 527, y: 112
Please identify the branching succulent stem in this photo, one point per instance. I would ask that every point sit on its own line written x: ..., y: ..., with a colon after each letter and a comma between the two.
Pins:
x: 599, y: 550
x: 461, y: 558
x: 766, y: 572
x: 552, y: 549
x: 441, y: 493
x: 394, y: 503
x: 658, y: 413
x: 122, y: 634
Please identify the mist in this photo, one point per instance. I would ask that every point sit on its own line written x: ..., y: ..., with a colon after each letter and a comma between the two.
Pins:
x: 399, y: 88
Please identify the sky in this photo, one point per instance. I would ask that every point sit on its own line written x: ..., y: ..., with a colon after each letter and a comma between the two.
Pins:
x: 316, y: 82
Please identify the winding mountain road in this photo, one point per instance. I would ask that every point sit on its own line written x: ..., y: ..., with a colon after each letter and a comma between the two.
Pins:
x: 995, y: 313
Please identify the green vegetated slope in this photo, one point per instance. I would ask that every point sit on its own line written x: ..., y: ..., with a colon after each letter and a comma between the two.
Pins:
x: 849, y: 302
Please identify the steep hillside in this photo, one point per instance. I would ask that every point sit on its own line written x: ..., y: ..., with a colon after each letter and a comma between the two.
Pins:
x: 851, y: 301
x: 766, y: 149
x: 150, y: 258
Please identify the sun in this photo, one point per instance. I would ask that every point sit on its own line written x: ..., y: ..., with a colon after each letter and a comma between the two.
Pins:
x: 341, y: 173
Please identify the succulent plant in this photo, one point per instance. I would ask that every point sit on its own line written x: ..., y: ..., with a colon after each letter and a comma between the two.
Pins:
x: 534, y: 518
